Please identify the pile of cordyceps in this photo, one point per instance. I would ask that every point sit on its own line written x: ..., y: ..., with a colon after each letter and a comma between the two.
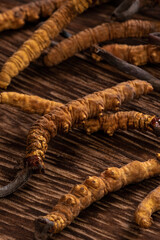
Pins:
x: 89, y: 112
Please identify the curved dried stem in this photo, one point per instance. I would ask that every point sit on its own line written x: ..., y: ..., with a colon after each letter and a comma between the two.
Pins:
x: 125, y: 10
x: 155, y: 38
x: 129, y: 7
x: 21, y: 178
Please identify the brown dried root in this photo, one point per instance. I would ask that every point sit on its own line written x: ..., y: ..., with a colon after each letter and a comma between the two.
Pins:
x: 107, y: 31
x: 63, y: 118
x: 137, y: 55
x: 91, y: 190
x: 147, y: 207
x: 41, y: 39
x: 17, y: 17
x: 28, y: 103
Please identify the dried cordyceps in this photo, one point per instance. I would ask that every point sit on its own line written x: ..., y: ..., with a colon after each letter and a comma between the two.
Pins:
x: 18, y: 16
x: 106, y: 31
x: 41, y: 39
x: 91, y: 190
x: 64, y: 118
x: 27, y: 103
x: 149, y: 205
x: 137, y: 55
x: 129, y: 7
x: 109, y: 123
x: 127, y: 67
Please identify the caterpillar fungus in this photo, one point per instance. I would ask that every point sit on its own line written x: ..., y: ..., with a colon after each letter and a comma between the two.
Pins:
x: 64, y: 118
x: 129, y: 7
x: 106, y: 31
x: 17, y: 17
x: 41, y: 38
x: 109, y: 123
x: 91, y: 190
x: 28, y: 103
x: 137, y: 55
x: 149, y: 205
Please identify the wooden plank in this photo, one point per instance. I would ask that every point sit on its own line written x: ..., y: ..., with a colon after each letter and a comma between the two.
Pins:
x: 70, y: 157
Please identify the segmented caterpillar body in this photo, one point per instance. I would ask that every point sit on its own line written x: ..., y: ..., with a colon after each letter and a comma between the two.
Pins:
x: 147, y: 207
x: 107, y: 31
x: 109, y: 123
x: 91, y: 190
x: 28, y: 103
x: 137, y: 55
x: 41, y: 39
x: 63, y: 118
x: 17, y: 17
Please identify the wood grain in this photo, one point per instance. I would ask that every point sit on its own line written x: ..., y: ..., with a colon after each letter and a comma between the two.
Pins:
x: 72, y: 157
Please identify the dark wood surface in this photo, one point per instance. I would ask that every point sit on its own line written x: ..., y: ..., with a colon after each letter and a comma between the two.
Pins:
x: 72, y: 157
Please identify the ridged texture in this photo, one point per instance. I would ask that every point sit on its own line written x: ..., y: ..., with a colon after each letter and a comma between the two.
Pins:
x: 72, y: 157
x: 149, y: 205
x: 91, y: 190
x: 109, y: 123
x: 17, y: 17
x: 28, y: 103
x: 137, y: 55
x: 63, y: 118
x: 106, y: 31
x: 33, y: 47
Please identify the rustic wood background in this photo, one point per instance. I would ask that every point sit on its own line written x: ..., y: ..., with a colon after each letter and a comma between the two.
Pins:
x: 73, y: 157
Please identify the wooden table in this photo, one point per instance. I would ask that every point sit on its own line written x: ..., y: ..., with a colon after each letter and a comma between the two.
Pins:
x: 72, y: 157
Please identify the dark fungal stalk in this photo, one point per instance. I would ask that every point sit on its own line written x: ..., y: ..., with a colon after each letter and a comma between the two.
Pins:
x: 155, y: 38
x: 125, y: 10
x: 127, y: 67
x: 129, y: 7
x: 137, y: 55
